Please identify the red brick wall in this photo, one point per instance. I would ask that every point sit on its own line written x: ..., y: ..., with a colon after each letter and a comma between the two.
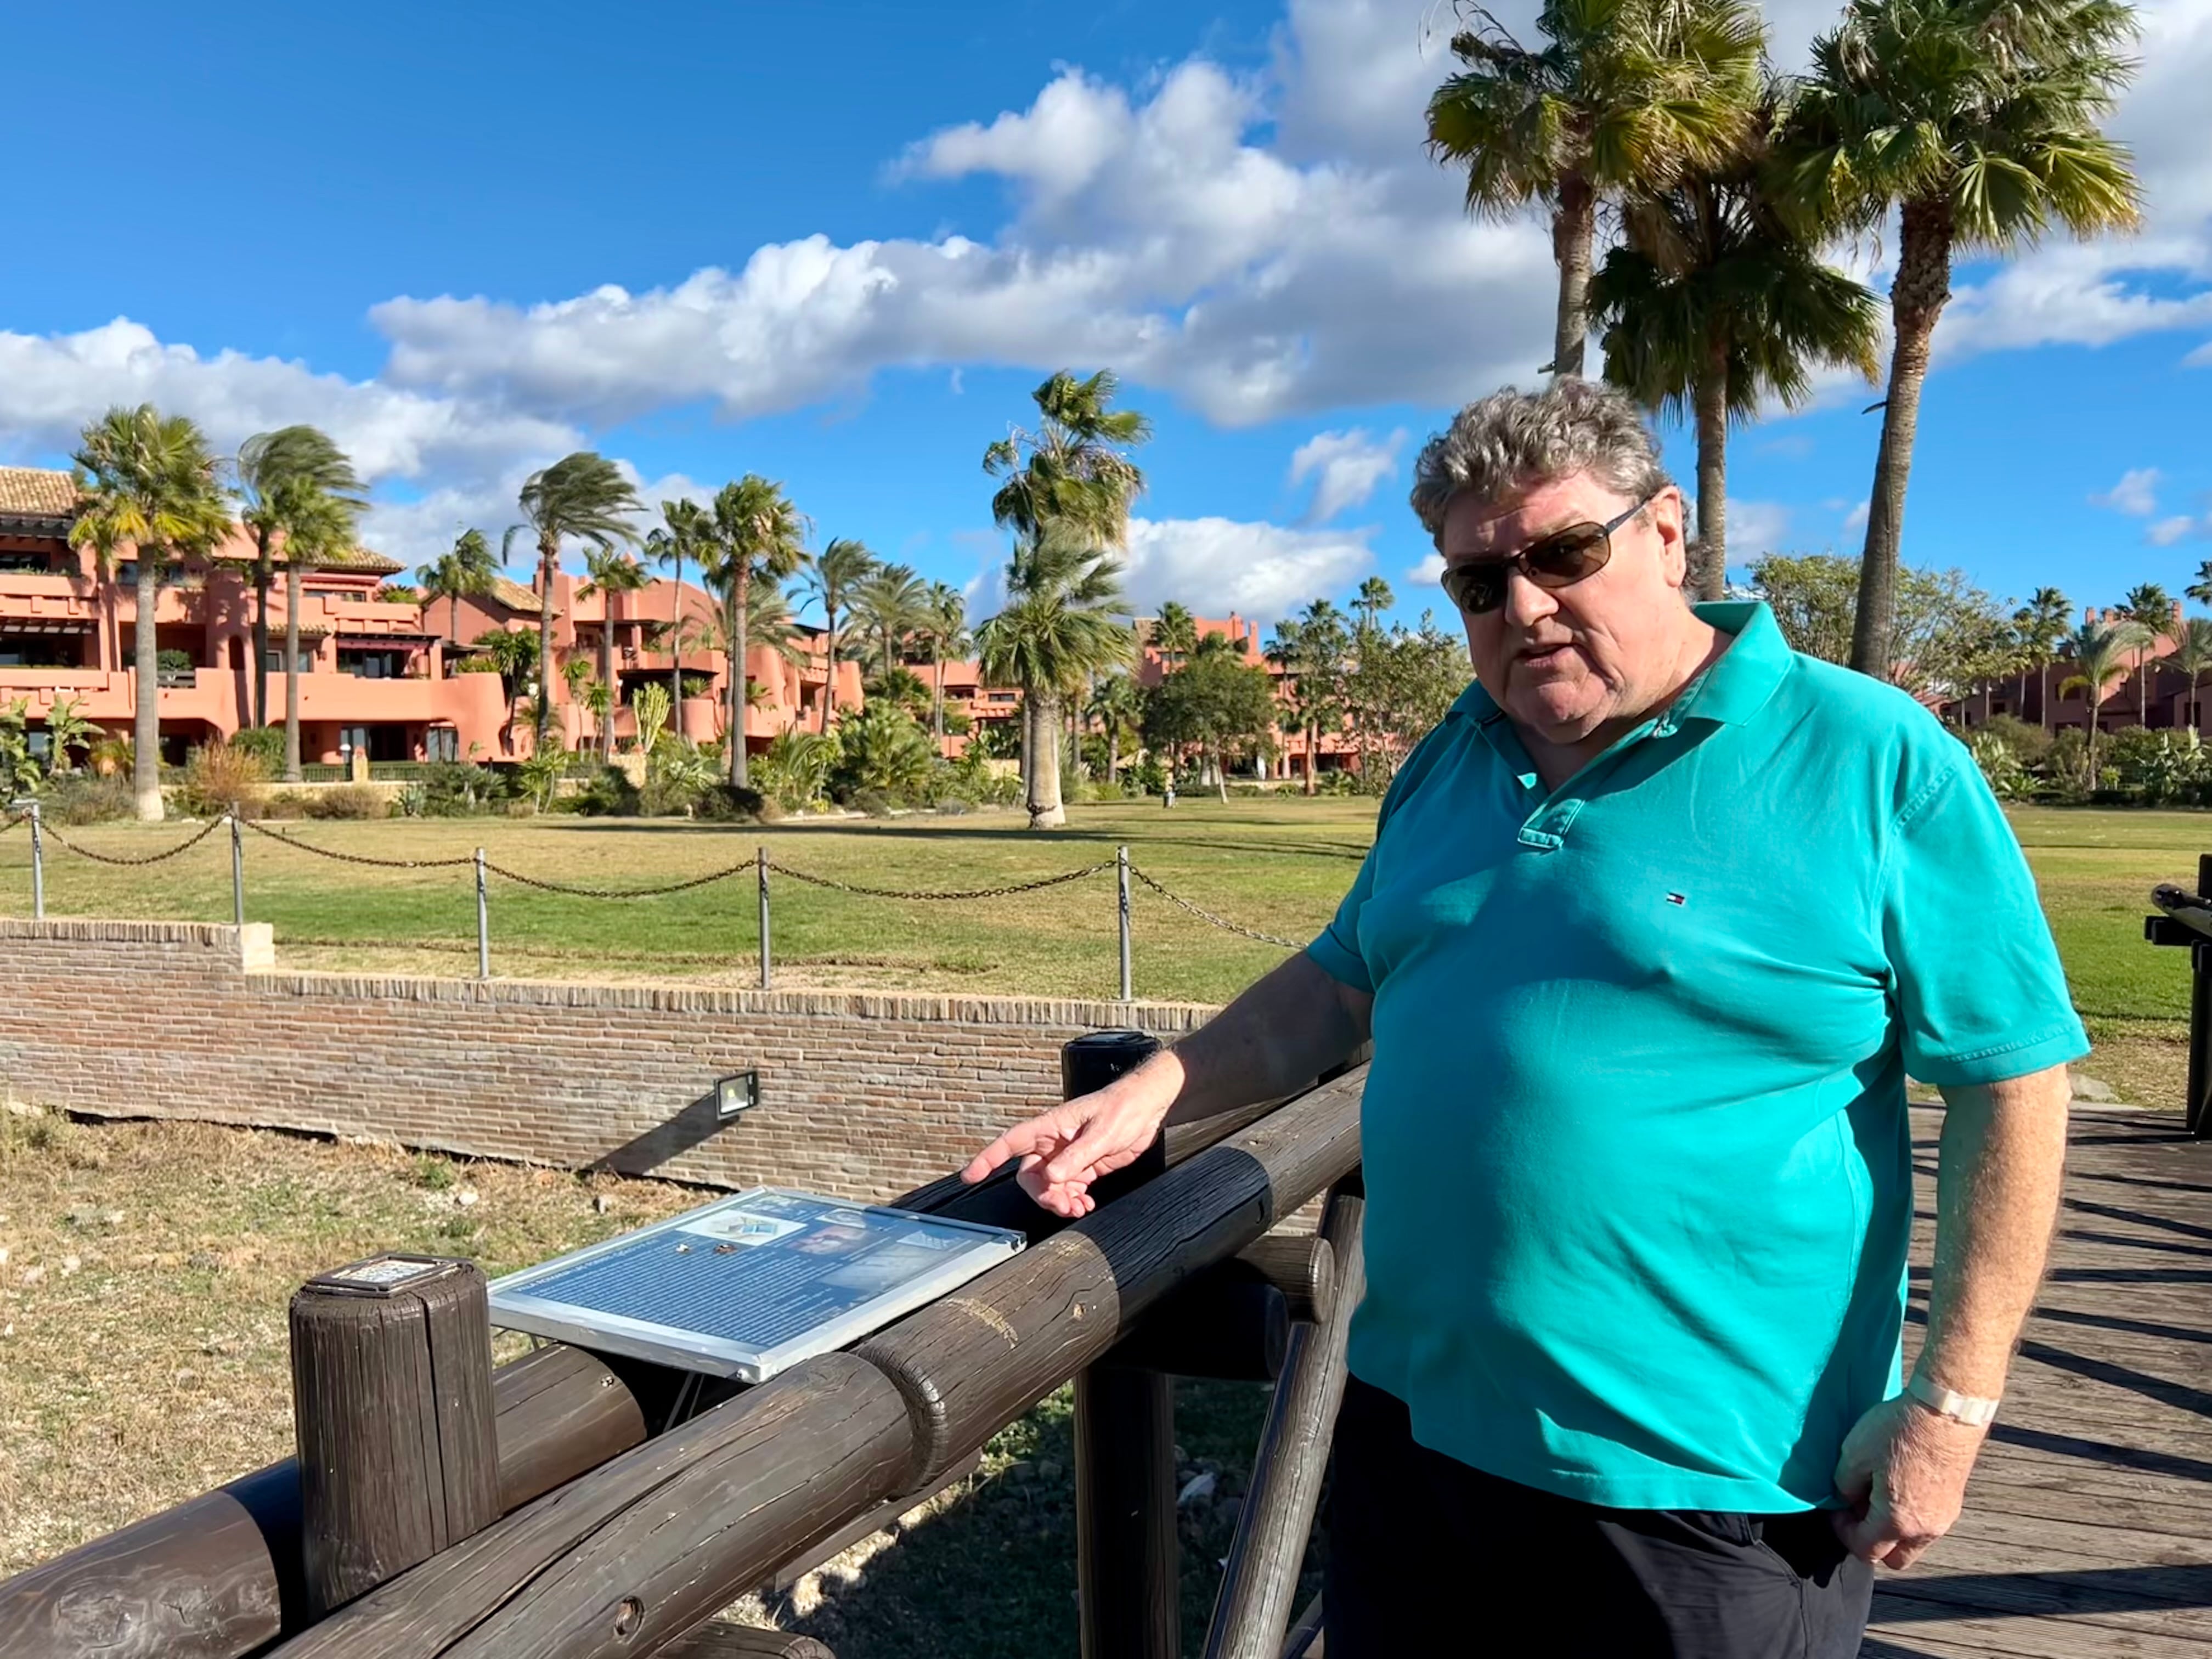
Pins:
x: 863, y: 1094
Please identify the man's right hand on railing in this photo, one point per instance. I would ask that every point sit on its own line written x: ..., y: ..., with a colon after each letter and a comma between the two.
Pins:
x: 1064, y: 1150
x: 1278, y: 1036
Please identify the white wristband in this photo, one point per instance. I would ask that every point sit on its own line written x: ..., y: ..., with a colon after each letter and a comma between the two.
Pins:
x: 1970, y: 1409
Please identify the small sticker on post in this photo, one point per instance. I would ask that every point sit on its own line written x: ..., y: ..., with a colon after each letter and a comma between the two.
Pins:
x: 381, y: 1274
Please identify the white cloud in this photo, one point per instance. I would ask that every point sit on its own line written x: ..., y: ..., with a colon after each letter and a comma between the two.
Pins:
x: 1755, y: 528
x: 2166, y: 531
x: 1346, y: 467
x: 1855, y: 519
x: 1428, y: 572
x: 2135, y: 495
x: 1258, y: 570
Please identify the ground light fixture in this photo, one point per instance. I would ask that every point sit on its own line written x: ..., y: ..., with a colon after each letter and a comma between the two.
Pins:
x: 736, y: 1093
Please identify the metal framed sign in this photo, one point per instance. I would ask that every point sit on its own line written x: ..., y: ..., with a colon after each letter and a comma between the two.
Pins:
x: 749, y: 1284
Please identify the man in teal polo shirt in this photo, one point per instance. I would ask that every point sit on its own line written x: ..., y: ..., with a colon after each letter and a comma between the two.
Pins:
x: 1655, y: 925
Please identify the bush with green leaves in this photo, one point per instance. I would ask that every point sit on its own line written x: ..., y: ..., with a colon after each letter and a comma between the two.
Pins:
x: 81, y: 798
x: 264, y: 742
x: 2161, y: 768
x: 882, y: 750
x: 169, y: 660
x: 796, y: 770
x: 2066, y: 764
x: 675, y: 774
x: 19, y: 771
x: 347, y: 801
x: 608, y: 793
x: 2029, y: 743
x: 1146, y: 777
x: 2009, y: 779
x: 454, y: 789
x: 723, y: 802
x: 541, y: 774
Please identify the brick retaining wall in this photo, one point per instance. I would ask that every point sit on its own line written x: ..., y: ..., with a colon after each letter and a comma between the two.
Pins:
x: 863, y: 1094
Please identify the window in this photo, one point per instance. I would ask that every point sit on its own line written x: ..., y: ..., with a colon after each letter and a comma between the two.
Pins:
x: 372, y: 665
x: 38, y: 651
x: 273, y: 659
x: 16, y: 561
x: 441, y: 743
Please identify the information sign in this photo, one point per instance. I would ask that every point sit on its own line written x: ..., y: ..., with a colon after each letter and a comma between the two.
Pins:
x: 749, y: 1284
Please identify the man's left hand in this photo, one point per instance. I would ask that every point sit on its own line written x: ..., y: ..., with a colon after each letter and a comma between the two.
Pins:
x: 1903, y: 1470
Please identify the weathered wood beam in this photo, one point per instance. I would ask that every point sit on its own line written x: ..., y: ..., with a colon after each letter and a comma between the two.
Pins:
x: 717, y: 1640
x: 1303, y: 1267
x: 977, y: 1359
x: 1225, y: 1325
x: 1259, y: 1581
x: 218, y: 1576
x: 1126, y: 1554
x: 633, y: 1555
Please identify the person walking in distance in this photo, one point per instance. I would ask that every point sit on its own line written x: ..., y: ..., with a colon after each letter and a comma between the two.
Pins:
x: 1655, y: 926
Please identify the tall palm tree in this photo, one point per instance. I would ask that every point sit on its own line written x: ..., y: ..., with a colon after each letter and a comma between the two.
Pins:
x: 759, y: 536
x: 2043, y: 626
x: 687, y: 530
x: 149, y: 480
x: 1066, y: 491
x: 945, y: 624
x: 832, y: 576
x: 1174, y: 634
x: 1622, y: 95
x: 2150, y: 604
x: 1061, y: 624
x: 469, y: 572
x: 268, y: 461
x: 318, y: 527
x: 1714, y: 305
x: 1374, y: 598
x: 2099, y: 650
x: 581, y: 497
x: 611, y: 573
x: 2192, y: 655
x: 1976, y: 121
x: 890, y: 603
x: 2200, y: 589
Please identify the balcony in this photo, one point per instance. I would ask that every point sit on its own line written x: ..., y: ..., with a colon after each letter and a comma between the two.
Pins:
x: 176, y: 679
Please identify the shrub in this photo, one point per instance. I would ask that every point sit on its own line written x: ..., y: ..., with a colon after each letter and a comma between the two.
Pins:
x: 675, y: 775
x: 729, y: 803
x: 2006, y: 778
x: 2030, y: 743
x: 876, y: 803
x: 608, y: 794
x: 1148, y: 776
x: 456, y: 789
x: 81, y: 798
x: 2174, y: 766
x: 172, y: 661
x: 286, y: 803
x: 266, y: 743
x: 884, y: 750
x: 347, y: 801
x: 220, y: 778
x: 2066, y: 764
x: 796, y: 770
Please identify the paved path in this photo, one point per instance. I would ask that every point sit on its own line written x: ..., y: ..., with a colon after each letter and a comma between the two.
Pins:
x: 2088, y: 1526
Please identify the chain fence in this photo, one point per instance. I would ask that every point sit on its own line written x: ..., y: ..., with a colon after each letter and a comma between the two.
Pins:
x: 761, y: 866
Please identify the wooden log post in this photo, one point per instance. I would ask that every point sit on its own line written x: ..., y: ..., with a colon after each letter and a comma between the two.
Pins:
x: 718, y: 1640
x: 1125, y: 1558
x: 1303, y: 1267
x: 218, y: 1576
x: 1260, y: 1582
x: 391, y: 1398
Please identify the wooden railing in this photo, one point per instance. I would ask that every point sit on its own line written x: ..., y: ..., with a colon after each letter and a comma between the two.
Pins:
x: 631, y: 1507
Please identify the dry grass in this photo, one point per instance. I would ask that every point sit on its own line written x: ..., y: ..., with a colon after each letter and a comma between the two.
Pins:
x: 142, y: 1293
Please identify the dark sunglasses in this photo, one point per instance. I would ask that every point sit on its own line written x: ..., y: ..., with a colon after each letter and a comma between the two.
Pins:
x: 1560, y: 559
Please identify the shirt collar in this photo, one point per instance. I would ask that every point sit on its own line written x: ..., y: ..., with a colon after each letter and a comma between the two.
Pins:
x: 1734, y: 688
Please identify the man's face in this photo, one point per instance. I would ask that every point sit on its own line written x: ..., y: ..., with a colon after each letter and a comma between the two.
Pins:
x: 1565, y: 662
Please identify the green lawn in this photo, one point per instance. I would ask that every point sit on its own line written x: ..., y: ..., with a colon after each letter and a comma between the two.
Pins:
x: 1277, y: 865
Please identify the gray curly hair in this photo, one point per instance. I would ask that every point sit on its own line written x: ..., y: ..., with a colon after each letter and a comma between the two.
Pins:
x: 1512, y: 438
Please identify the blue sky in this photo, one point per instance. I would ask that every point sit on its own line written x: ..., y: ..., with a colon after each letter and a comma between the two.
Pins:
x: 838, y: 245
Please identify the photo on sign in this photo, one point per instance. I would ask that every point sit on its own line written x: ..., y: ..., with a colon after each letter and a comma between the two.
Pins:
x: 737, y: 1227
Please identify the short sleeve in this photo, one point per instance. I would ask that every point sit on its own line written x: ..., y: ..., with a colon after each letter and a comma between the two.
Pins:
x: 1337, y: 949
x: 1979, y: 991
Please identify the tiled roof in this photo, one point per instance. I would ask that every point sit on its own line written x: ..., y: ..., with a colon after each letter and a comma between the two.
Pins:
x: 357, y: 561
x: 516, y: 597
x: 36, y: 492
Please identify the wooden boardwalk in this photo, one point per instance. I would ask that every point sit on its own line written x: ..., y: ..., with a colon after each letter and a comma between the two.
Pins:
x: 2089, y: 1525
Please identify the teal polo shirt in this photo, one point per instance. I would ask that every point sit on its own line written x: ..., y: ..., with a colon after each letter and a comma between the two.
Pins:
x: 1638, y: 1176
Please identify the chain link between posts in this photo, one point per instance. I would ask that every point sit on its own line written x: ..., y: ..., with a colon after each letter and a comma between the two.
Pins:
x: 568, y: 891
x: 55, y: 836
x: 351, y: 858
x: 1008, y: 891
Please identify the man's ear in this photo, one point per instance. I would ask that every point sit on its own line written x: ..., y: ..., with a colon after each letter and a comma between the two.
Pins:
x: 1665, y: 513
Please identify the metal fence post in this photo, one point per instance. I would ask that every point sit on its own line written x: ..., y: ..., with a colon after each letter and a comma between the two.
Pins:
x: 237, y: 873
x: 1121, y: 879
x: 484, y: 922
x: 760, y: 854
x: 37, y: 865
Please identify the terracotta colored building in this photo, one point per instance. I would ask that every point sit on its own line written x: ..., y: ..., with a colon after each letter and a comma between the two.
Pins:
x: 2150, y: 691
x: 369, y: 680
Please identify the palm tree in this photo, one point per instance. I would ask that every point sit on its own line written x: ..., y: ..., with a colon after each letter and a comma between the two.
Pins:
x: 268, y: 461
x: 1714, y: 305
x: 2150, y: 604
x: 1975, y: 120
x: 759, y: 536
x: 581, y: 497
x: 688, y: 530
x: 149, y: 480
x: 945, y: 624
x: 318, y: 527
x: 1374, y: 598
x: 2043, y: 626
x: 831, y: 576
x: 469, y: 572
x: 2192, y: 655
x: 890, y: 603
x: 611, y: 573
x: 1062, y: 623
x: 2099, y: 650
x: 2200, y: 589
x: 1174, y: 634
x: 1069, y: 487
x: 1117, y: 704
x: 1623, y: 95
